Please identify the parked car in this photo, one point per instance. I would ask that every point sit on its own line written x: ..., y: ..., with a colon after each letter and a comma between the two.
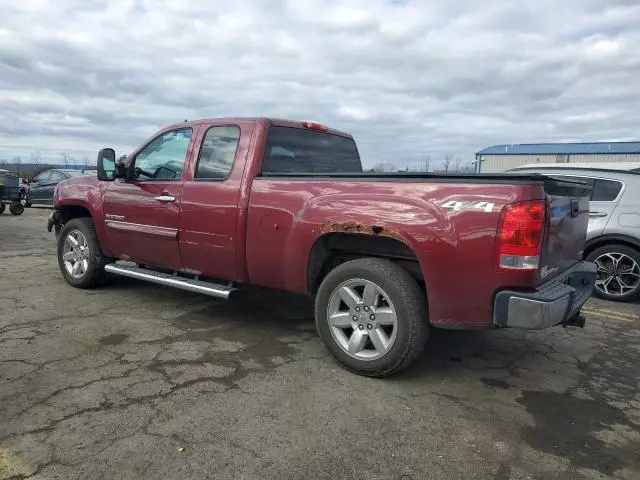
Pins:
x: 41, y: 187
x: 211, y: 205
x: 613, y: 235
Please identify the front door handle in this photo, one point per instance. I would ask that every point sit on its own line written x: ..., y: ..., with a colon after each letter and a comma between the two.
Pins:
x: 597, y: 214
x: 165, y: 198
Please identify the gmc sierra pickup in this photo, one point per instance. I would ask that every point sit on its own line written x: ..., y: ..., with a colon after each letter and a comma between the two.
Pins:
x: 210, y: 205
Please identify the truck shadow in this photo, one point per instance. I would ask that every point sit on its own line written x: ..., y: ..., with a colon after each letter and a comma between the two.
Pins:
x: 269, y: 315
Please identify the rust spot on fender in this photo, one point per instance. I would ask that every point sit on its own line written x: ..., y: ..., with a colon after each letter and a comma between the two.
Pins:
x: 361, y: 228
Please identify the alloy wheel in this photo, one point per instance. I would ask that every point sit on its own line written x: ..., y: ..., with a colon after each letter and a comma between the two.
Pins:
x: 76, y: 254
x: 618, y: 274
x: 362, y: 319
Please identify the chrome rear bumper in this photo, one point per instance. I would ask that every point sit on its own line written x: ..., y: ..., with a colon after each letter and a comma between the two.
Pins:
x: 555, y: 302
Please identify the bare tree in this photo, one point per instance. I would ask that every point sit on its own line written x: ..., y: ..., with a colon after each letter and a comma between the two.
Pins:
x: 67, y: 159
x: 384, y: 167
x: 446, y: 165
x: 36, y: 157
x: 458, y: 165
x: 86, y: 162
x: 17, y: 161
x: 426, y: 164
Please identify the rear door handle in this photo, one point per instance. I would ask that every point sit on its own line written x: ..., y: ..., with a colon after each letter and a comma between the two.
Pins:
x: 597, y: 214
x: 165, y: 198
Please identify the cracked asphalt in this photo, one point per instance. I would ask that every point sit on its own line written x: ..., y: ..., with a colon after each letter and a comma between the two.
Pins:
x: 136, y: 381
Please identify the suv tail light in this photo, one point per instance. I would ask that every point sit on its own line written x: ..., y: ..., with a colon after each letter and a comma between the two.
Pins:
x: 520, y: 234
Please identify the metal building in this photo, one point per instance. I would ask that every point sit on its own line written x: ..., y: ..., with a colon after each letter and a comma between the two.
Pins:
x: 503, y: 157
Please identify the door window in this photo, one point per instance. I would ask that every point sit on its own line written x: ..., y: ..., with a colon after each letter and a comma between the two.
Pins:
x: 218, y: 153
x: 605, y: 190
x: 164, y: 157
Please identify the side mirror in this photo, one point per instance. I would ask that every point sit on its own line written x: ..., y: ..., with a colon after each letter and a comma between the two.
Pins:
x: 107, y: 165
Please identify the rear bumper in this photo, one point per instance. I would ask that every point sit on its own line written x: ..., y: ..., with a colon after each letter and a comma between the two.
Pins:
x: 553, y: 303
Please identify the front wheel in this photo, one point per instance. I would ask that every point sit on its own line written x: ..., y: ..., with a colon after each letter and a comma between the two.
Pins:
x: 79, y: 254
x: 372, y: 316
x: 618, y: 272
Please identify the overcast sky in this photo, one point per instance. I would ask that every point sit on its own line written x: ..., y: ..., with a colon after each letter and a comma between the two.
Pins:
x: 407, y: 77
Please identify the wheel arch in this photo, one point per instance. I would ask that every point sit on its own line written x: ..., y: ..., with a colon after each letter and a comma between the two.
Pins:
x: 68, y: 211
x: 608, y: 239
x: 333, y: 248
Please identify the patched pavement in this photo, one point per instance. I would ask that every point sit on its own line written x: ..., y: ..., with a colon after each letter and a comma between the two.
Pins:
x: 139, y: 381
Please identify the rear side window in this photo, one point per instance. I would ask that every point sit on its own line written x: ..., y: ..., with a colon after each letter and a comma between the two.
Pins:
x: 602, y: 190
x: 218, y: 153
x: 294, y: 150
x: 605, y: 190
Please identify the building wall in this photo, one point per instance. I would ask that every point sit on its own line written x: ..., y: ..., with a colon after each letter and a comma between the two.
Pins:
x: 500, y: 163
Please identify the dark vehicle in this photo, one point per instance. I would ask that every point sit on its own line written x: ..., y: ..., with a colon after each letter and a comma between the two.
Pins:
x: 42, y: 186
x: 11, y: 192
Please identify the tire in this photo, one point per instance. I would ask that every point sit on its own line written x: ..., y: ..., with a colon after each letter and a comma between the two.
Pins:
x: 2, y: 207
x: 16, y: 208
x: 618, y: 265
x: 397, y: 292
x: 93, y: 274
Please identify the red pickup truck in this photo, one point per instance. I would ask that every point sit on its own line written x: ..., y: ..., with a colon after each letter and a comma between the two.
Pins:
x: 208, y: 206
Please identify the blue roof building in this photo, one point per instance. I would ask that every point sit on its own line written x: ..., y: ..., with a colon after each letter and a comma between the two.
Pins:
x: 503, y: 157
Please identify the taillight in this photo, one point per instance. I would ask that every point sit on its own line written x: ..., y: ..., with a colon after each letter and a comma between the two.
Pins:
x: 520, y: 235
x: 314, y: 126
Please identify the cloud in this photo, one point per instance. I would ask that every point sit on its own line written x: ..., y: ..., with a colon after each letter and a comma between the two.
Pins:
x: 407, y: 78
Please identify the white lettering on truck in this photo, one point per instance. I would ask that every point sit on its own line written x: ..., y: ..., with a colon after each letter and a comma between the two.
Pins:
x: 456, y: 206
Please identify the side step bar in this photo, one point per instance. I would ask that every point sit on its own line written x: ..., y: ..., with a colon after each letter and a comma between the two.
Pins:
x: 191, y: 285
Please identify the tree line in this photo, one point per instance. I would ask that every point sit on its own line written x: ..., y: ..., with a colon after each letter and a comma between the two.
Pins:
x: 448, y: 164
x: 35, y: 164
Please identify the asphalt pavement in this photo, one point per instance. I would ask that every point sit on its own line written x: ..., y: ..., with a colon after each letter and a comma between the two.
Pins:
x: 137, y: 381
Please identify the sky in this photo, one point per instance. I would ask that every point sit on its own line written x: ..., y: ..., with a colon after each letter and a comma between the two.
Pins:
x: 408, y: 78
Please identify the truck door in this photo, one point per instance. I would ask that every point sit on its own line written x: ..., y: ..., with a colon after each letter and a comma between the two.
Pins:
x: 142, y: 214
x: 210, y: 243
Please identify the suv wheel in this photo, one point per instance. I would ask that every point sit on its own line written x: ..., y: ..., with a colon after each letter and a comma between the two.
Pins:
x: 79, y: 254
x: 372, y: 316
x: 618, y: 272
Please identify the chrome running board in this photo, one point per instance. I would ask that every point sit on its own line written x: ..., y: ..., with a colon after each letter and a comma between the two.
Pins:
x: 166, y: 279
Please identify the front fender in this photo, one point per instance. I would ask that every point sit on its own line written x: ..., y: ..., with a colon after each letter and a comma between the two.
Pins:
x: 75, y: 198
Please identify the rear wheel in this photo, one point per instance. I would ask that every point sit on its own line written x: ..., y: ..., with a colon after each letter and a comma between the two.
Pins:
x: 16, y: 208
x: 79, y: 254
x: 2, y: 207
x: 372, y: 315
x: 618, y: 272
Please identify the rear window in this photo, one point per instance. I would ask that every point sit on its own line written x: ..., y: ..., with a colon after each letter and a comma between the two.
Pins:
x: 294, y: 150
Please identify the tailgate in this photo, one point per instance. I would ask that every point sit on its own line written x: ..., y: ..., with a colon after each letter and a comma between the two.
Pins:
x: 568, y: 213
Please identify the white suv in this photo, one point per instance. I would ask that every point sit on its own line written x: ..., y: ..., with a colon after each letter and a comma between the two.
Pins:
x: 613, y: 236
